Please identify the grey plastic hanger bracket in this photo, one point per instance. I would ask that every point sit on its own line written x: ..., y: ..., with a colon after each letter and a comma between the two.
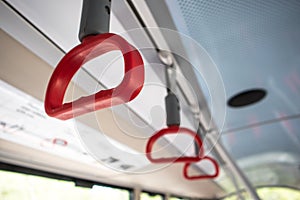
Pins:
x: 95, y: 18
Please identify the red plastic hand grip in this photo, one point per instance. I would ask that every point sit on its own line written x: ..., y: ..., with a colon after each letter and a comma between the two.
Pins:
x: 174, y: 130
x: 91, y: 47
x: 205, y: 176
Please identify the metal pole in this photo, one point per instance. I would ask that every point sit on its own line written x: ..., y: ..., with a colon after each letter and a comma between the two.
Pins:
x: 220, y: 149
x: 234, y: 182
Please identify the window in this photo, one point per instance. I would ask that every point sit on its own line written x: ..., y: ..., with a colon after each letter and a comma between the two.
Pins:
x: 272, y: 193
x: 16, y: 186
x: 151, y: 196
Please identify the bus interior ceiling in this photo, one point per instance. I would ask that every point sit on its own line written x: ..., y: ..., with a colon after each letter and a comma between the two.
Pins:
x: 227, y: 54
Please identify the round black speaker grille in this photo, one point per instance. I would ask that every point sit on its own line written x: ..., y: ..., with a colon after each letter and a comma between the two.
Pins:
x: 246, y: 98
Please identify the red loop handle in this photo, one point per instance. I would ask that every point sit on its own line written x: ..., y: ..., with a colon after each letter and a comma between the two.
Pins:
x: 205, y: 176
x: 174, y: 130
x: 91, y: 47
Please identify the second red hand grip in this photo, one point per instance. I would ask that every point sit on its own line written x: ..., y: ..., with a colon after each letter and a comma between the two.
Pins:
x: 174, y: 130
x: 91, y: 47
x: 202, y: 176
